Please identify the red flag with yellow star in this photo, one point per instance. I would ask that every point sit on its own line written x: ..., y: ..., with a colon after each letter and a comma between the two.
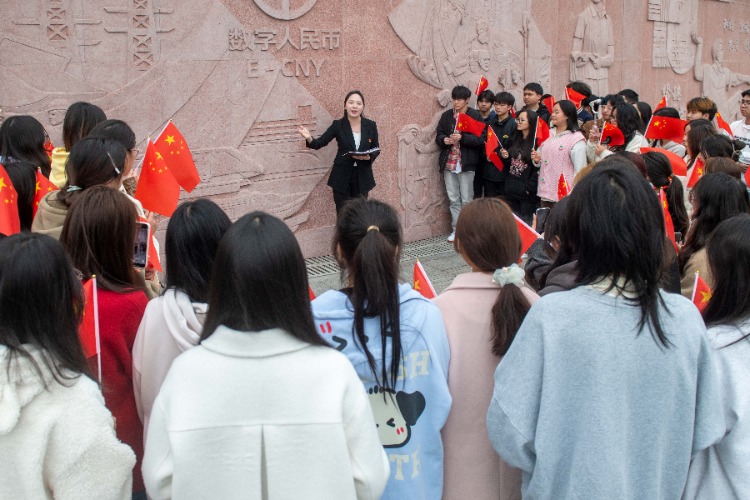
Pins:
x: 541, y: 132
x: 679, y: 167
x: 563, y: 189
x: 482, y: 85
x: 528, y: 235
x: 722, y: 124
x: 575, y: 97
x: 662, y: 103
x: 668, y: 224
x: 422, y: 283
x: 466, y: 123
x: 666, y: 127
x: 489, y: 148
x: 549, y: 103
x: 157, y: 189
x: 701, y: 293
x: 10, y: 223
x: 43, y: 186
x: 611, y: 135
x: 696, y: 174
x: 176, y: 154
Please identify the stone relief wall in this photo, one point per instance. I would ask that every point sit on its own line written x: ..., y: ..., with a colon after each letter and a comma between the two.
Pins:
x: 239, y: 77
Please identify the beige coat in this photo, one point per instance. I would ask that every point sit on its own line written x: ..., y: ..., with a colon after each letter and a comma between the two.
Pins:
x: 472, y: 468
x: 698, y: 263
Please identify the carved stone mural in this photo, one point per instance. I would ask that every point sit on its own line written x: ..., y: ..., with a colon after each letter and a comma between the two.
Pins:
x: 455, y: 42
x: 239, y: 77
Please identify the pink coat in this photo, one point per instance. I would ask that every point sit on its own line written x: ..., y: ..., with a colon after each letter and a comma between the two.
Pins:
x: 472, y: 468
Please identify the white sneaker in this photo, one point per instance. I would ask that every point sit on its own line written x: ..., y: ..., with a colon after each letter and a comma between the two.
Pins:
x: 452, y: 237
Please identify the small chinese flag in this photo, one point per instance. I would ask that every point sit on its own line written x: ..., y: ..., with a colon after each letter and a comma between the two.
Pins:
x: 662, y: 103
x: 549, y: 103
x: 701, y: 293
x: 422, y: 283
x: 612, y: 134
x: 311, y: 293
x: 43, y: 186
x: 10, y: 223
x: 697, y: 173
x: 88, y: 330
x: 574, y: 97
x: 157, y: 189
x: 152, y: 259
x: 489, y: 148
x: 563, y: 189
x: 541, y: 133
x: 176, y: 155
x: 666, y: 127
x: 49, y: 147
x: 723, y: 124
x: 482, y: 85
x: 668, y: 224
x: 528, y: 235
x: 679, y: 167
x: 747, y: 177
x: 466, y: 123
x: 513, y: 112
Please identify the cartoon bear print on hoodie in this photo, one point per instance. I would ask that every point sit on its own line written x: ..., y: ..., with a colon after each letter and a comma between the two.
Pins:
x: 395, y: 413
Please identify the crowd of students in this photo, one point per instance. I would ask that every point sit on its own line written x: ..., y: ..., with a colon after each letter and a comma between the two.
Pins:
x: 225, y: 380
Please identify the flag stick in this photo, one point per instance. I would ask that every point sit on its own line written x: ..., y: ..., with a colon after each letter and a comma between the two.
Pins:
x: 96, y: 330
x: 695, y: 288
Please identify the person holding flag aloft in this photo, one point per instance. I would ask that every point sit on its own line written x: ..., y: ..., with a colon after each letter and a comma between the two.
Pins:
x: 458, y: 135
x: 56, y: 435
x: 565, y: 153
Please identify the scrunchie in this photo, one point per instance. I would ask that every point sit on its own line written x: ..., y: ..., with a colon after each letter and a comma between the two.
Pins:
x: 512, y: 274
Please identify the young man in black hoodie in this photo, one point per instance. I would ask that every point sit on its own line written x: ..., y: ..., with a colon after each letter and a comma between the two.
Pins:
x: 532, y: 99
x: 503, y: 127
x: 461, y: 153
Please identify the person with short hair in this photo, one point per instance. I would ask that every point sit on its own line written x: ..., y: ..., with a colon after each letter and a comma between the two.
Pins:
x: 56, y: 436
x: 532, y: 99
x: 482, y: 310
x: 615, y: 366
x: 629, y: 95
x: 503, y: 126
x: 262, y: 407
x: 460, y: 154
x: 701, y: 107
x: 395, y: 339
x: 485, y: 102
x: 741, y: 128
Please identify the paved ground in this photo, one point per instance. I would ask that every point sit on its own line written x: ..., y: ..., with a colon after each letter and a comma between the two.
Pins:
x: 440, y: 261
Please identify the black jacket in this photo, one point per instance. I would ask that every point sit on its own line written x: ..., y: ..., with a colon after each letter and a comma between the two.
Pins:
x: 472, y: 147
x: 522, y: 176
x: 343, y: 165
x: 542, y: 112
x: 503, y: 131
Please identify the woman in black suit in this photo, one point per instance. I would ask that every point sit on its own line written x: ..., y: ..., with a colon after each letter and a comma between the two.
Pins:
x: 351, y: 175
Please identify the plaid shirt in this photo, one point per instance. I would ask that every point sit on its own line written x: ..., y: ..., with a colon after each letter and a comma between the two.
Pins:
x: 454, y: 157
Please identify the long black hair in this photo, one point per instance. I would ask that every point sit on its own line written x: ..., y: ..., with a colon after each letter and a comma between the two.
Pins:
x: 80, y: 118
x: 715, y: 197
x: 519, y: 145
x: 367, y: 242
x: 193, y: 235
x: 728, y: 251
x: 259, y: 281
x: 93, y: 161
x: 23, y: 176
x: 41, y: 303
x: 615, y: 229
x: 571, y: 114
x: 22, y: 138
x: 628, y: 121
x: 660, y: 174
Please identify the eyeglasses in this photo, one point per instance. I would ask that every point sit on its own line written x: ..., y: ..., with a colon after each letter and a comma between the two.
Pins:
x: 522, y: 121
x: 744, y: 103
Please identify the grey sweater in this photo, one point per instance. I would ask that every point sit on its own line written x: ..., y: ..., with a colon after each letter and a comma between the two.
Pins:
x: 589, y: 408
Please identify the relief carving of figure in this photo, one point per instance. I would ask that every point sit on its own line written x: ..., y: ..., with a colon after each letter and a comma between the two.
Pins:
x: 717, y: 79
x: 593, y: 48
x: 461, y: 40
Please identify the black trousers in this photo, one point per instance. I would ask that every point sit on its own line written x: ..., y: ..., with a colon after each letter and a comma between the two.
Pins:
x: 494, y: 189
x: 524, y: 209
x: 340, y: 198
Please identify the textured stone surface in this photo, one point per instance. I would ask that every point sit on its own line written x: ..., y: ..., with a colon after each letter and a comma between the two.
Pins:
x: 239, y: 76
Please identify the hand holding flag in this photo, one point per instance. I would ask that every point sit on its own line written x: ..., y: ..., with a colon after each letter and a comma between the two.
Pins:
x: 465, y: 123
x: 612, y: 135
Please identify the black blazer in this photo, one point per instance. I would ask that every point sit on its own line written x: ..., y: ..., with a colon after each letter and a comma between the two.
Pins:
x: 343, y: 165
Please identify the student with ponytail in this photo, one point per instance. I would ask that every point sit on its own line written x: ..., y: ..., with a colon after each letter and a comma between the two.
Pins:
x: 482, y: 310
x: 396, y: 340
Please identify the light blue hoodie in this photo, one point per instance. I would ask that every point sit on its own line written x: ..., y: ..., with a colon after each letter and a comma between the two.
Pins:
x: 410, y: 421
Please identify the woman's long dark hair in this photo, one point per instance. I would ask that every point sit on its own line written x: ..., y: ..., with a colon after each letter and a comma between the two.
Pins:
x: 259, y: 281
x: 80, y: 118
x: 615, y: 229
x: 628, y: 121
x: 728, y: 251
x: 571, y: 114
x: 99, y: 235
x: 715, y: 197
x: 660, y: 174
x: 193, y: 235
x: 699, y: 130
x: 41, y: 303
x: 93, y: 161
x: 487, y: 235
x: 22, y: 138
x: 23, y: 176
x: 519, y: 145
x: 367, y: 242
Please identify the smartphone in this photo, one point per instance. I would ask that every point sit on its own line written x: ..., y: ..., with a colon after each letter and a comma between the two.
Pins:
x: 541, y: 218
x: 142, y: 241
